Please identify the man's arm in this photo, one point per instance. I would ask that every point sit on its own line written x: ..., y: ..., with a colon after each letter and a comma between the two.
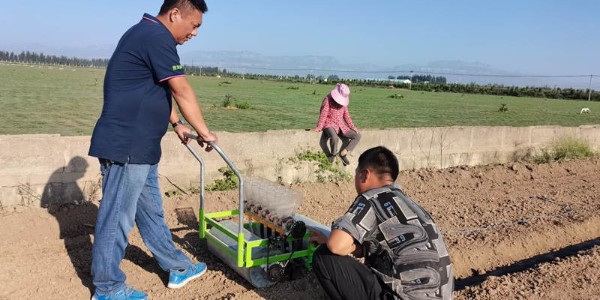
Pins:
x: 188, y: 106
x: 349, y: 230
x: 341, y: 243
x: 178, y: 126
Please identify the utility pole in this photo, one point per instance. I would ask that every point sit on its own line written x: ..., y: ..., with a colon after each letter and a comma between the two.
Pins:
x: 590, y: 89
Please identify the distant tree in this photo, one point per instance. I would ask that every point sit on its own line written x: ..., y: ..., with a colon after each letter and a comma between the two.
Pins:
x: 333, y: 78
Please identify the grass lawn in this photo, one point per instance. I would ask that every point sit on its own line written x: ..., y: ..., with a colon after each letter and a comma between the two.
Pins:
x: 68, y: 101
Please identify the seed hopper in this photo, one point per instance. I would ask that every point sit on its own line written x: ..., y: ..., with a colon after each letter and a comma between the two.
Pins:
x: 263, y: 239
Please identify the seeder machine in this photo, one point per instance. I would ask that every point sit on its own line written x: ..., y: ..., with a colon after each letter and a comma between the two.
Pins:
x: 264, y: 238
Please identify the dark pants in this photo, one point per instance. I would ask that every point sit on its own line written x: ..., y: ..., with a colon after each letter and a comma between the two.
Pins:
x: 343, y: 277
x: 349, y: 140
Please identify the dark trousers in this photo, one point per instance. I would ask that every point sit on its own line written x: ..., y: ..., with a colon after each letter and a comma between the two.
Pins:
x: 349, y: 140
x: 343, y: 277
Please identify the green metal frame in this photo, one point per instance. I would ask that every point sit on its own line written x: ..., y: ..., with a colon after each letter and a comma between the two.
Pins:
x: 243, y: 255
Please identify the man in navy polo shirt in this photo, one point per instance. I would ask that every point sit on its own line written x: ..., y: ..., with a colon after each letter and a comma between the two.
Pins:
x: 143, y: 75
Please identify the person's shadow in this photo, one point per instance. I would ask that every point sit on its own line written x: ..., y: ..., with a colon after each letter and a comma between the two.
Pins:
x: 76, y: 216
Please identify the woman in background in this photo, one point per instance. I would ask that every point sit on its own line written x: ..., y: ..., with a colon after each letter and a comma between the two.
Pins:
x: 335, y: 121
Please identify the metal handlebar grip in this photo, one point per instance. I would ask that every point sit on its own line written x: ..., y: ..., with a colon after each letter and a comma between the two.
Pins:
x: 231, y: 165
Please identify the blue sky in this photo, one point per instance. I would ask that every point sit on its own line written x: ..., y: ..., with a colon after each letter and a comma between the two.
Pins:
x: 526, y: 36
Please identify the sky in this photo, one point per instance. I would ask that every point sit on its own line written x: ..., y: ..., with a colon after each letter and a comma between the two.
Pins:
x: 541, y: 37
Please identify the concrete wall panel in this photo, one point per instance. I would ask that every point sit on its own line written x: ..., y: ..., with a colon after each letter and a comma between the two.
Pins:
x: 43, y: 168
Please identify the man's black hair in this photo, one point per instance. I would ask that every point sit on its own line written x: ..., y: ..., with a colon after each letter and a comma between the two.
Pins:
x: 183, y: 5
x: 380, y: 160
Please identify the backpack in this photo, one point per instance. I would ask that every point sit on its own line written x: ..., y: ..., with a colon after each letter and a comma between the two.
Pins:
x: 406, y: 250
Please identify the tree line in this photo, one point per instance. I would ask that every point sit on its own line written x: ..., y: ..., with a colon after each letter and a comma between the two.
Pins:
x: 419, y: 82
x: 40, y: 58
x: 420, y: 78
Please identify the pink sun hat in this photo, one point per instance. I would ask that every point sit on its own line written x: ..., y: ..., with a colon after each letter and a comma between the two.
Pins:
x: 341, y: 94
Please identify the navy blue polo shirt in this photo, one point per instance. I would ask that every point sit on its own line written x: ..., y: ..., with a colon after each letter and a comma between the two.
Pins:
x: 137, y: 98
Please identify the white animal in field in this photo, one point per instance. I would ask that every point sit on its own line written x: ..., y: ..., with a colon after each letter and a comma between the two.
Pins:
x: 585, y: 110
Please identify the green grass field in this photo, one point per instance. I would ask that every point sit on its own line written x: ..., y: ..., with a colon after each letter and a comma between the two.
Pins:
x: 67, y: 101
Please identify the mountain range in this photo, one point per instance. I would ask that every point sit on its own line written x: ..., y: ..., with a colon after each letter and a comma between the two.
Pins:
x: 455, y: 71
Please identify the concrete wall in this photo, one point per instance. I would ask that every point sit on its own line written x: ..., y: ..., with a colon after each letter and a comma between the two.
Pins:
x: 51, y: 169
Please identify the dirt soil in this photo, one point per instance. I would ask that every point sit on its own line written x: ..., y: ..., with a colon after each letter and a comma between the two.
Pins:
x: 514, y: 231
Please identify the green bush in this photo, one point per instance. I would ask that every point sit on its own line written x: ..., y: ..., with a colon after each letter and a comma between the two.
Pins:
x: 242, y: 105
x: 565, y: 148
x: 227, y: 100
x: 326, y: 171
x: 228, y: 182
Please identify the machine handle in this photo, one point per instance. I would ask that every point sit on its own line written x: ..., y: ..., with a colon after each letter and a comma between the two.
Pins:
x: 233, y: 168
x: 201, y: 161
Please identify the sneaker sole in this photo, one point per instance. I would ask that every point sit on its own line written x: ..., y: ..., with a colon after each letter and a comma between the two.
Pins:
x: 181, y: 284
x: 94, y: 298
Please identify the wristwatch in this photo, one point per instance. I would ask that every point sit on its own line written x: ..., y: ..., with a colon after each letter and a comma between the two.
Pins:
x: 175, y: 124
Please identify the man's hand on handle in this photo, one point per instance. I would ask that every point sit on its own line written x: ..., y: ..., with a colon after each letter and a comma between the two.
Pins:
x: 202, y: 139
x: 181, y: 131
x: 207, y: 137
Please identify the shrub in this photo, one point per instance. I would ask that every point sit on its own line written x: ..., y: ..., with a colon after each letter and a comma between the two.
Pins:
x: 228, y: 182
x: 326, y: 171
x: 242, y: 105
x: 227, y: 100
x: 565, y: 148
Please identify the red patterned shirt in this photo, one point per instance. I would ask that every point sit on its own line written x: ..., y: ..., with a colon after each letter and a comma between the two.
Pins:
x: 335, y: 116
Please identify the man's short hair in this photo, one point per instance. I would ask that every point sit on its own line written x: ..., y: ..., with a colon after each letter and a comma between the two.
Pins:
x: 380, y: 160
x: 183, y: 5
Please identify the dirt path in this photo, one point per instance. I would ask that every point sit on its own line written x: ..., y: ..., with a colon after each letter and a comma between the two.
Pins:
x: 516, y: 231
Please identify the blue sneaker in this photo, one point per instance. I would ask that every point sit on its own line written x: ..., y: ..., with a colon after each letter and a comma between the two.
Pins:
x: 127, y: 293
x: 179, y: 278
